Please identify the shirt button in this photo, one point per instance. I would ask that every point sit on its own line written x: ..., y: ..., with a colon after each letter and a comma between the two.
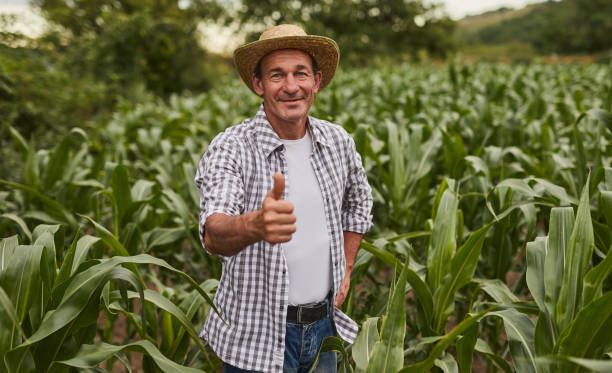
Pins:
x: 336, y: 263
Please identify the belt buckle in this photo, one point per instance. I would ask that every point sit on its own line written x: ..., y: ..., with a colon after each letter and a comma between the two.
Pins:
x: 299, y: 315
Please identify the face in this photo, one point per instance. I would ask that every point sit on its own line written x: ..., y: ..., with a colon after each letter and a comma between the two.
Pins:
x: 288, y: 86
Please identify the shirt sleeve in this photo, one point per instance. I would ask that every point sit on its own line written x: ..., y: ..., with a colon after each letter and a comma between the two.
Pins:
x: 219, y: 179
x: 357, y: 201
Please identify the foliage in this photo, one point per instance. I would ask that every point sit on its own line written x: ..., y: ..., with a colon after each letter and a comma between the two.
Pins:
x: 471, y: 167
x: 568, y: 26
x: 366, y: 31
x: 125, y: 43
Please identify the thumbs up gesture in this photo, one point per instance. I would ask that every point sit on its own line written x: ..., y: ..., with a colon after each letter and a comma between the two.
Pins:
x: 278, y: 220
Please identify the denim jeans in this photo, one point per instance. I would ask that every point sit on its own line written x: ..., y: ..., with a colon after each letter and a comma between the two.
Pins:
x: 302, y: 344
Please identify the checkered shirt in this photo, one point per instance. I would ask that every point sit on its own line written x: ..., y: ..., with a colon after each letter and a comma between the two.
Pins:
x: 234, y: 176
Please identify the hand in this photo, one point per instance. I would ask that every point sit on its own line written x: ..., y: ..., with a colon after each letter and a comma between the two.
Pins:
x: 278, y: 220
x: 343, y: 291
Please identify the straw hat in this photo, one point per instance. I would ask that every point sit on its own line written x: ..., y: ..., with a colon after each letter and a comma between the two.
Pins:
x: 324, y: 51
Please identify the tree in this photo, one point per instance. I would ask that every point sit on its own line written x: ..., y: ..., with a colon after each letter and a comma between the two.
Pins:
x: 128, y: 42
x: 363, y: 29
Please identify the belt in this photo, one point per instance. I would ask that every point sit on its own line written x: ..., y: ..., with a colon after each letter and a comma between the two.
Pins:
x: 307, y: 314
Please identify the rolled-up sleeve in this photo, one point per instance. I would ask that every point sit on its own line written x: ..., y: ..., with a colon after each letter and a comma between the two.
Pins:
x: 357, y: 201
x: 219, y: 179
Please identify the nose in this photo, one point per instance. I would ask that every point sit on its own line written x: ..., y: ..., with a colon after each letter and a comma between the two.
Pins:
x: 291, y: 86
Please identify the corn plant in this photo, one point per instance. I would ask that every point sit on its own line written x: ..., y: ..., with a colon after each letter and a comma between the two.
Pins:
x: 51, y: 298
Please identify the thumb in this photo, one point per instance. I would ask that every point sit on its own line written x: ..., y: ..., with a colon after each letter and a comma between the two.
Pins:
x: 279, y: 186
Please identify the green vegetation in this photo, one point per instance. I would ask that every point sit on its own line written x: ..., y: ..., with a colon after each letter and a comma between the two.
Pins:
x: 492, y: 188
x: 566, y: 27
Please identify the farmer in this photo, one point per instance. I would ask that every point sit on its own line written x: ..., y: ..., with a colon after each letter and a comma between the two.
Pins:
x: 284, y: 204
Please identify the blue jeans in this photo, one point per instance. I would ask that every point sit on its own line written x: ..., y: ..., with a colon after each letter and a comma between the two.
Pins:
x: 302, y: 344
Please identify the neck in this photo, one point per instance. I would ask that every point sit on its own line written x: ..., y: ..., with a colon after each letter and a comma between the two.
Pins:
x: 288, y: 130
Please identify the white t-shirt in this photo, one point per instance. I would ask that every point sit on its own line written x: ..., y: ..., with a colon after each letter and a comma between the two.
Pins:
x: 308, y: 253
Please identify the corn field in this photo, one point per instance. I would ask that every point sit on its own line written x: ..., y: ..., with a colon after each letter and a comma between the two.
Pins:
x: 491, y: 249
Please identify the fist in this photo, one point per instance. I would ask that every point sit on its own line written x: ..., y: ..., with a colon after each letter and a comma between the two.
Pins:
x: 277, y: 214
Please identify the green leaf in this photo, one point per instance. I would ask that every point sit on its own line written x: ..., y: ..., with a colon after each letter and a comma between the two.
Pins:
x: 21, y: 278
x: 445, y: 342
x: 122, y: 194
x: 388, y: 354
x: 560, y: 228
x: 462, y: 267
x: 9, y: 322
x: 544, y: 336
x: 483, y: 348
x: 7, y: 248
x: 577, y: 259
x: 170, y: 309
x: 593, y: 365
x: 91, y: 355
x: 465, y: 348
x: 364, y: 344
x: 333, y: 344
x: 588, y: 336
x: 605, y: 205
x: 519, y: 331
x: 447, y: 363
x: 51, y: 206
x: 22, y: 224
x: 422, y: 293
x: 54, y: 169
x: 595, y: 277
x: 163, y: 236
x: 536, y: 253
x: 442, y: 239
x: 384, y: 255
x: 497, y: 290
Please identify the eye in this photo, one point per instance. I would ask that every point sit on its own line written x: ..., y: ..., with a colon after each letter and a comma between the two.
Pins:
x: 275, y: 77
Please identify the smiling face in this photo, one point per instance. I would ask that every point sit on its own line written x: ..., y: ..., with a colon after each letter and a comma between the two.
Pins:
x: 287, y: 85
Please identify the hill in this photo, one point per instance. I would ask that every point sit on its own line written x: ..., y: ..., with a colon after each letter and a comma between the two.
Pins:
x: 474, y: 23
x: 560, y: 27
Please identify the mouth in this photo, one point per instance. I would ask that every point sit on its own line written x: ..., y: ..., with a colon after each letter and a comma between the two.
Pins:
x: 291, y: 100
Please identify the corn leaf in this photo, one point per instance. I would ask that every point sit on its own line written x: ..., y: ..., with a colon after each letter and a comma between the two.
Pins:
x: 561, y: 226
x: 588, y: 336
x: 519, y: 331
x: 577, y: 259
x: 22, y: 224
x: 91, y: 355
x: 388, y: 353
x: 462, y: 267
x: 536, y: 253
x: 442, y: 239
x: 445, y: 342
x: 447, y: 363
x: 364, y: 344
x: 484, y: 349
x: 594, y: 279
x: 465, y: 348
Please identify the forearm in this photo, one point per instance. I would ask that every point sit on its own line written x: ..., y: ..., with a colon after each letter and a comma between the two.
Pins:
x: 227, y: 235
x: 352, y: 241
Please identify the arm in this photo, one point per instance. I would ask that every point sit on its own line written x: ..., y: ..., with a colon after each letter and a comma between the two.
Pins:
x: 352, y: 241
x: 356, y: 218
x: 275, y: 222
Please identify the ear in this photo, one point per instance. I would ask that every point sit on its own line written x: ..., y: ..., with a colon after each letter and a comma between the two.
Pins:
x: 318, y: 76
x: 257, y: 85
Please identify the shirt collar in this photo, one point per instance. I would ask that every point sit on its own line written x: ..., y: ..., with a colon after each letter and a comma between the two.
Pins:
x: 268, y: 139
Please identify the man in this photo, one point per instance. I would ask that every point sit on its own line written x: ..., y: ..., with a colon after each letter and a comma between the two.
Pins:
x: 284, y: 204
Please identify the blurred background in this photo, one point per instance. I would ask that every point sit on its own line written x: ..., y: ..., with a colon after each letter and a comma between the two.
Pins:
x: 70, y: 62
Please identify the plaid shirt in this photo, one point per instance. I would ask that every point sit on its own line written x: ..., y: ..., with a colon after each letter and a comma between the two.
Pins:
x: 234, y: 176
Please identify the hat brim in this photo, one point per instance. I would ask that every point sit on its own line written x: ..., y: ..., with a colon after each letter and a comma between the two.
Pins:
x: 324, y: 51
